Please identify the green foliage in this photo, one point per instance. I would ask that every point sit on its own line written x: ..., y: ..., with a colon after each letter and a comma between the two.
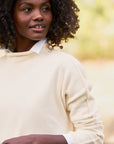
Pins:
x: 96, y: 34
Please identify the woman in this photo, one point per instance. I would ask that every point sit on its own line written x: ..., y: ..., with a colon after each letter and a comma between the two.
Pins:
x: 44, y: 95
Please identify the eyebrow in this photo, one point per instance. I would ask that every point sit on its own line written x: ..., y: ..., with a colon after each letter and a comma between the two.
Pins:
x: 27, y: 3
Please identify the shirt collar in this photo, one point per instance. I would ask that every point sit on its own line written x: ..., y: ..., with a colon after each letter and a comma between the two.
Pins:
x: 38, y: 46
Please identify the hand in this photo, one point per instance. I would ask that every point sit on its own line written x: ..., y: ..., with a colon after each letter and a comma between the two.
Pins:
x: 29, y: 139
x: 37, y: 139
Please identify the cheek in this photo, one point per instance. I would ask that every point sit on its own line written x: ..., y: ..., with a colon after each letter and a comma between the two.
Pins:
x: 50, y: 19
x: 21, y: 21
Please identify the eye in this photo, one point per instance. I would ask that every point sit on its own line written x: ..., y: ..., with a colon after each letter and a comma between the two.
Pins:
x: 46, y: 9
x: 27, y: 9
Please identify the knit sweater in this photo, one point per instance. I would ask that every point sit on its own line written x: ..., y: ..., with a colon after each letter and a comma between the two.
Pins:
x: 46, y: 93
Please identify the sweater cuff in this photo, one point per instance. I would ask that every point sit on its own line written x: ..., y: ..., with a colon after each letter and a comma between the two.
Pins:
x: 68, y: 138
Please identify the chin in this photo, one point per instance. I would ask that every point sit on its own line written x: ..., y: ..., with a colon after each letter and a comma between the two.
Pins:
x: 38, y: 38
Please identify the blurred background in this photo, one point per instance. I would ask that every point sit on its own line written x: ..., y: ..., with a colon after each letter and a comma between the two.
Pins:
x: 94, y: 48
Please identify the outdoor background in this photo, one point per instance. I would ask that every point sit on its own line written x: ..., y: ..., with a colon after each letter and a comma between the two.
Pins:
x: 94, y: 48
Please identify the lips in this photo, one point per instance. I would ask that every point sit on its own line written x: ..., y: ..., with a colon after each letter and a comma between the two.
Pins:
x: 37, y: 27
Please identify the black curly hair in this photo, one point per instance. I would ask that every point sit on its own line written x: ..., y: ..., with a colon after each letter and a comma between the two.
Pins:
x: 64, y: 25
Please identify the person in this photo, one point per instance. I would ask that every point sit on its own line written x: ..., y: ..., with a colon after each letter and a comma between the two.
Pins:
x: 44, y: 95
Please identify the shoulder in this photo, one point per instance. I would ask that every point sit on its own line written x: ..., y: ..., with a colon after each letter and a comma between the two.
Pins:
x: 62, y: 56
x: 2, y: 51
x: 65, y: 63
x: 58, y: 56
x: 66, y: 59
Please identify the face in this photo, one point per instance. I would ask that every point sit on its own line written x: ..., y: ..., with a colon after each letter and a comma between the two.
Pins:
x: 32, y: 19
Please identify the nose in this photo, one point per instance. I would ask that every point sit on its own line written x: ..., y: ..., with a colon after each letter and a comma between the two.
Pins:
x: 37, y: 16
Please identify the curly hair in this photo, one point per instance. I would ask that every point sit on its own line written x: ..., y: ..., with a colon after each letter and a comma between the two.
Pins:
x: 64, y: 25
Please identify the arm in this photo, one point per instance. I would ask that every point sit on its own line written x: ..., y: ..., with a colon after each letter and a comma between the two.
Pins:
x: 81, y: 110
x: 37, y: 139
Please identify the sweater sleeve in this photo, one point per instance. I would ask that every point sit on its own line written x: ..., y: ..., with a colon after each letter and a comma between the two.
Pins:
x: 80, y: 107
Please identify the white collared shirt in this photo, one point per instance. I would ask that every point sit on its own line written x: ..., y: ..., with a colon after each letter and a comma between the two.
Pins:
x: 38, y: 46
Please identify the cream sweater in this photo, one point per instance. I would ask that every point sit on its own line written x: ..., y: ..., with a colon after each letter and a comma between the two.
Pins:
x: 46, y: 93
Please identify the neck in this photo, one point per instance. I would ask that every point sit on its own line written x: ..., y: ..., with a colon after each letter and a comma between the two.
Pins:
x: 25, y: 45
